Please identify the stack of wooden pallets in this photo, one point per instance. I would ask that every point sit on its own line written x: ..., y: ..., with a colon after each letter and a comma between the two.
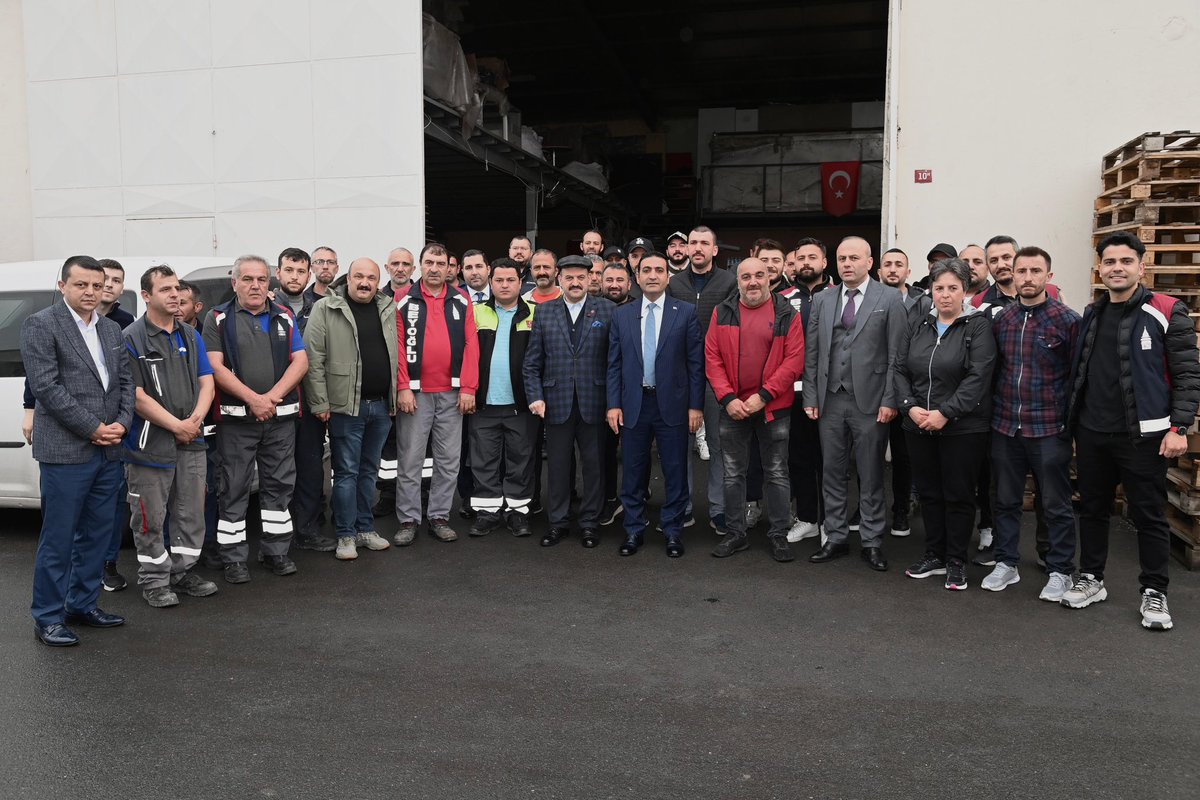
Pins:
x: 1151, y: 188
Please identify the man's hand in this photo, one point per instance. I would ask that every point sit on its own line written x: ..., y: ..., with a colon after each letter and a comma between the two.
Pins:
x: 1173, y: 444
x: 466, y: 403
x: 538, y: 407
x: 695, y: 420
x: 918, y: 415
x: 812, y: 412
x: 886, y: 415
x: 754, y: 405
x: 262, y: 407
x: 323, y: 416
x: 106, y: 435
x: 407, y: 401
x: 934, y: 421
x: 616, y: 418
x: 27, y: 426
x: 736, y: 409
x: 187, y: 430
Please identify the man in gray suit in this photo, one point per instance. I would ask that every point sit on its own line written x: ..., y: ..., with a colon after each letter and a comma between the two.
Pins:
x: 850, y: 357
x: 78, y: 372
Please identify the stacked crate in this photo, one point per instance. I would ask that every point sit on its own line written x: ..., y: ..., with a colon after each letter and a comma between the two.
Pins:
x: 1151, y: 188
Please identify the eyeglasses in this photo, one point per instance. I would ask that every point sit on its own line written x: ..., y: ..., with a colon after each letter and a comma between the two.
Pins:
x: 320, y: 262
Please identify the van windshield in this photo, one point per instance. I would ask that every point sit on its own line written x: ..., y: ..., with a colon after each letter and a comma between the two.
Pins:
x: 15, y: 307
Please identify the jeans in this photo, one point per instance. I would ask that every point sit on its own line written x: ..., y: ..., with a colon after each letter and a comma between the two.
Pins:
x: 1103, y: 460
x: 773, y: 449
x: 356, y: 443
x: 946, y: 471
x: 1049, y: 457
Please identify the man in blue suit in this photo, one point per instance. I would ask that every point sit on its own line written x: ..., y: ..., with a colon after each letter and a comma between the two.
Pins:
x: 655, y: 392
x: 566, y: 364
x: 79, y: 374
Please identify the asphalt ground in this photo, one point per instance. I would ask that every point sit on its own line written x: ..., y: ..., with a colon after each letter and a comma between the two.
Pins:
x: 494, y: 668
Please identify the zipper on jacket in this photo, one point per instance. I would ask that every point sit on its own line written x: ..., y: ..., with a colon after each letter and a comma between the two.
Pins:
x: 932, y: 353
x: 1021, y: 368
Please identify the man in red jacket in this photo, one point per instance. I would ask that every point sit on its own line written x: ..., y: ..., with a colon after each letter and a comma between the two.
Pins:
x: 753, y: 354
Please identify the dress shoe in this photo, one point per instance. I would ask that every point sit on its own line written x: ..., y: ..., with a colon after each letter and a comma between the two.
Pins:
x: 591, y: 537
x: 55, y: 635
x: 95, y: 618
x: 874, y: 558
x: 674, y: 548
x: 630, y: 545
x: 553, y: 537
x: 829, y: 551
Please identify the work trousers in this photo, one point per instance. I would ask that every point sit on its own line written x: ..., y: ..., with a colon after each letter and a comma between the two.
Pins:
x: 155, y: 492
x: 1103, y: 460
x: 946, y: 471
x: 1049, y: 458
x: 270, y: 445
x: 355, y: 444
x: 502, y: 442
x: 844, y: 431
x: 77, y: 520
x: 436, y: 422
x: 736, y: 437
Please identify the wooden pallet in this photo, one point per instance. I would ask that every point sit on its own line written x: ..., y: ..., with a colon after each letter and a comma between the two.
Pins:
x: 1179, y: 233
x: 1149, y: 144
x: 1156, y: 189
x: 1185, y: 537
x: 1114, y: 214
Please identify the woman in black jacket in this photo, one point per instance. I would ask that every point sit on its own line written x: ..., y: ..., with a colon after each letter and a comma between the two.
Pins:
x: 944, y: 381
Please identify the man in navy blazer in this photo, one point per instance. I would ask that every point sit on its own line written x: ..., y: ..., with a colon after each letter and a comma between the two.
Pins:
x: 655, y: 392
x: 566, y: 364
x: 78, y: 371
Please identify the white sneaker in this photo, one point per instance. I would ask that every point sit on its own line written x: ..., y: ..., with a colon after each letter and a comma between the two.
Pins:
x: 985, y: 538
x: 1058, y: 585
x: 372, y: 541
x: 753, y: 514
x: 346, y: 549
x: 802, y: 530
x: 1155, y: 615
x: 1086, y: 590
x: 1001, y: 576
x: 702, y: 444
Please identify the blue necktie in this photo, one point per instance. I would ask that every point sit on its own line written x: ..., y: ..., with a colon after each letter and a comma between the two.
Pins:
x: 649, y: 348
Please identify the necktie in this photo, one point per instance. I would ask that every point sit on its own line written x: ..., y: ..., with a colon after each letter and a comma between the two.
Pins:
x: 479, y: 297
x: 649, y: 348
x: 848, y: 311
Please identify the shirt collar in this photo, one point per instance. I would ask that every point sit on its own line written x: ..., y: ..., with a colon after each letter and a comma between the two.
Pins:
x: 79, y: 319
x: 647, y: 302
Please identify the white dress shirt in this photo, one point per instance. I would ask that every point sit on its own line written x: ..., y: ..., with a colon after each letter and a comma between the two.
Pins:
x: 658, y: 315
x: 858, y: 298
x: 574, y: 309
x: 91, y: 337
x: 486, y: 291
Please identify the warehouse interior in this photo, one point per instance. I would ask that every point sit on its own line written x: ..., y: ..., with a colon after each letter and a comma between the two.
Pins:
x: 641, y: 119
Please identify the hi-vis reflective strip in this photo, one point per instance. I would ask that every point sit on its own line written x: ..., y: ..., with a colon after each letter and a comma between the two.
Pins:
x: 427, y: 468
x: 1154, y: 425
x: 455, y: 383
x: 798, y: 386
x: 518, y: 504
x: 387, y: 469
x: 288, y: 410
x: 276, y: 522
x: 184, y: 551
x: 414, y: 385
x: 209, y: 430
x: 487, y: 503
x: 233, y: 411
x: 231, y: 532
x: 151, y: 560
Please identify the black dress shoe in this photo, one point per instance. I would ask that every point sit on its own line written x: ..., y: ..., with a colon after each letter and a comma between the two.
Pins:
x: 674, y: 548
x: 630, y: 545
x: 591, y: 537
x: 555, y: 536
x: 874, y: 558
x: 55, y: 635
x: 829, y: 551
x: 95, y: 618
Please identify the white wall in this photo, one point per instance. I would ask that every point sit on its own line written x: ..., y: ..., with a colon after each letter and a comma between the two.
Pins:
x: 16, y: 232
x: 1012, y: 105
x: 202, y: 127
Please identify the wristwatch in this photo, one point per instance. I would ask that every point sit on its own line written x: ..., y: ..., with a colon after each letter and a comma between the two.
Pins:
x: 1180, y: 429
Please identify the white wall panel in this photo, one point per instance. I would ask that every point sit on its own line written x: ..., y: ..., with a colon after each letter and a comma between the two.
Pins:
x: 69, y: 39
x: 259, y: 32
x: 166, y: 128
x: 400, y: 190
x: 346, y: 28
x: 265, y: 196
x: 263, y: 120
x: 163, y: 35
x: 16, y: 202
x: 100, y: 202
x: 59, y: 237
x: 369, y: 232
x: 371, y: 102
x: 186, y: 236
x: 197, y: 198
x: 75, y: 134
x: 264, y: 233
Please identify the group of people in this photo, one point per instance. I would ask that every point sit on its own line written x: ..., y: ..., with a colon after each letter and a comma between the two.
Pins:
x: 470, y: 373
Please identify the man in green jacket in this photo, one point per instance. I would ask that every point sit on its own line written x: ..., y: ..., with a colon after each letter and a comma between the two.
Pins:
x: 351, y: 384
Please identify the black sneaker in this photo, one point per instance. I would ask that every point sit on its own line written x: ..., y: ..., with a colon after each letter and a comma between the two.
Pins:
x: 385, y: 506
x: 280, y: 565
x: 236, y: 572
x: 985, y: 557
x: 484, y: 524
x: 856, y: 520
x: 718, y: 524
x: 612, y: 509
x: 928, y: 565
x: 315, y: 540
x: 193, y: 585
x: 956, y: 575
x: 780, y: 550
x: 730, y: 544
x: 900, y: 524
x: 113, y: 580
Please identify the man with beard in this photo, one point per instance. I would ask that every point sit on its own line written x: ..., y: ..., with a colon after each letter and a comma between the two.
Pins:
x: 325, y: 270
x: 595, y: 276
x: 636, y: 250
x: 293, y: 270
x: 677, y: 252
x: 770, y: 252
x: 615, y: 255
x: 400, y: 267
x: 476, y: 276
x: 894, y: 272
x: 520, y: 248
x: 974, y: 255
x: 615, y: 284
x: 592, y: 243
x: 543, y: 268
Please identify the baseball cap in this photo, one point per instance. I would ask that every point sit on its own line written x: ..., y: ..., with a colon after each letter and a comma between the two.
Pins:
x: 677, y: 235
x: 613, y: 251
x: 943, y: 249
x: 641, y: 242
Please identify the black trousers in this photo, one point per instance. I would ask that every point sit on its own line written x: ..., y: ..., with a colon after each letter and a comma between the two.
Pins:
x: 611, y: 444
x: 1103, y: 460
x: 804, y: 465
x: 946, y: 470
x: 307, y: 499
x: 561, y: 441
x: 502, y: 444
x: 901, y: 468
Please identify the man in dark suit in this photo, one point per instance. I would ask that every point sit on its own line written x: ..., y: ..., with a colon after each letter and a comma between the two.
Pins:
x: 565, y: 369
x: 849, y: 365
x: 78, y: 372
x: 655, y: 393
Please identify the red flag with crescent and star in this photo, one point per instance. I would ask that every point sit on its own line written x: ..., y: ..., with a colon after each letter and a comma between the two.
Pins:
x: 839, y: 187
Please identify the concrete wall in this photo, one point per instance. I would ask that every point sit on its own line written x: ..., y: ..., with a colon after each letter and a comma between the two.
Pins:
x: 218, y: 127
x: 16, y: 209
x: 1012, y: 106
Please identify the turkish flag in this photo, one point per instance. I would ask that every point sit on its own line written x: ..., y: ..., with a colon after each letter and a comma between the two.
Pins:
x: 839, y: 187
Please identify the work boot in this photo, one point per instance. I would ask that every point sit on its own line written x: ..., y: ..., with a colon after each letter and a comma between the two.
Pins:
x: 280, y: 565
x: 192, y: 585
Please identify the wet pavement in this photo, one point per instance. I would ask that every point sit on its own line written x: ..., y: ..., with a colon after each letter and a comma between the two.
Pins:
x: 494, y: 668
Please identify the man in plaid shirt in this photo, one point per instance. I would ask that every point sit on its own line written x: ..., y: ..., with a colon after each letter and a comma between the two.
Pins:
x: 1035, y: 339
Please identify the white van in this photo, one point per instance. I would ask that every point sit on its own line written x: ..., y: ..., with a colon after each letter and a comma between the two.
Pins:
x: 27, y: 287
